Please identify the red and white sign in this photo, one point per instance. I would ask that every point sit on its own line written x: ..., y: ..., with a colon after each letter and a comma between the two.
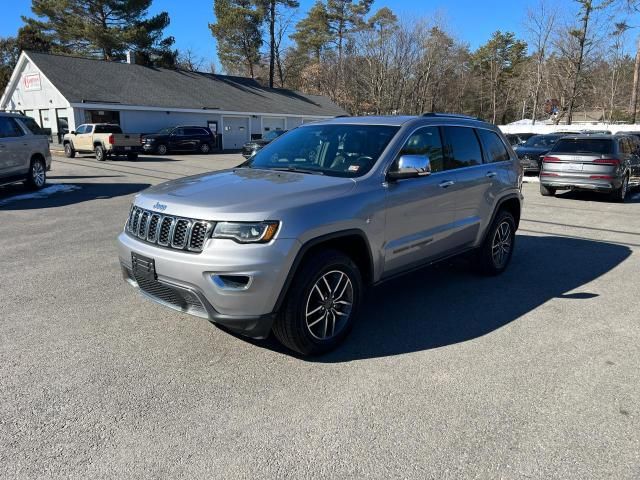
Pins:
x: 31, y: 82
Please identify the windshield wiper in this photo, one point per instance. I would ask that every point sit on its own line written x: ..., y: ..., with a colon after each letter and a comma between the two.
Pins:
x: 297, y: 170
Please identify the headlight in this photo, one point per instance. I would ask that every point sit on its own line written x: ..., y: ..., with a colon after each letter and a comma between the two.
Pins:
x: 261, y: 232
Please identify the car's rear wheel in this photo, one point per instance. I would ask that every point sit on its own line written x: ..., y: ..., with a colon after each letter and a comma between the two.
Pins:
x: 69, y: 151
x: 321, y: 304
x: 496, y: 251
x: 162, y: 149
x: 620, y: 194
x: 547, y: 191
x: 100, y: 153
x: 37, y: 174
x: 205, y: 148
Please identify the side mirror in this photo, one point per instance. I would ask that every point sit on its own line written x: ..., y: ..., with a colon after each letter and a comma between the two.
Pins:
x: 410, y: 166
x: 73, y: 132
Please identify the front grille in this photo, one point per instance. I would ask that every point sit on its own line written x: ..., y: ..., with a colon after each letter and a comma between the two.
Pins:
x: 177, y: 297
x: 168, y: 231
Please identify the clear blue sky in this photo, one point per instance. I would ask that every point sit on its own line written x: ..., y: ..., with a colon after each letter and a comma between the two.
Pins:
x: 472, y: 21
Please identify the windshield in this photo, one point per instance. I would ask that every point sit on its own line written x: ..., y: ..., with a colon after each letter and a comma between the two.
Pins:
x: 272, y: 135
x: 164, y: 131
x: 584, y: 145
x: 335, y: 149
x: 541, y: 141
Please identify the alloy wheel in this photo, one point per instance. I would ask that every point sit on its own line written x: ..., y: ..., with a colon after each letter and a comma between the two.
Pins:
x: 501, y: 245
x: 329, y: 305
x: 38, y: 174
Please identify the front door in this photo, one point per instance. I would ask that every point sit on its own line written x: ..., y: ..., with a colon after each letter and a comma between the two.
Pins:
x: 14, y: 156
x: 420, y: 212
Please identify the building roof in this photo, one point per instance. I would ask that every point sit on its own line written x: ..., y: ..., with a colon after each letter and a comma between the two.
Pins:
x: 82, y: 80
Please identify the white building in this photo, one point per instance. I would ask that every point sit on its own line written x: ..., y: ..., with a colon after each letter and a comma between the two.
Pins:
x: 62, y: 92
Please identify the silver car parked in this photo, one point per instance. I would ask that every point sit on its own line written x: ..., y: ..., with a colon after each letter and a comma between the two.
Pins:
x: 288, y: 241
x: 24, y: 151
x: 600, y: 163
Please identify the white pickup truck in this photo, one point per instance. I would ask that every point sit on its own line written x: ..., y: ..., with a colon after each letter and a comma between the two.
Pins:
x: 104, y: 140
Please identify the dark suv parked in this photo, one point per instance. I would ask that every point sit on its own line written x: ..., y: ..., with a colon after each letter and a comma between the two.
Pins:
x: 179, y: 139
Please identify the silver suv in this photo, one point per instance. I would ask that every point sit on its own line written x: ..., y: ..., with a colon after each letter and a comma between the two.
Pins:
x: 287, y: 241
x: 24, y: 151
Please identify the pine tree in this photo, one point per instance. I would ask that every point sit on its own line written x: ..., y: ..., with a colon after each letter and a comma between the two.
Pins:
x: 238, y: 35
x: 312, y: 32
x: 104, y: 29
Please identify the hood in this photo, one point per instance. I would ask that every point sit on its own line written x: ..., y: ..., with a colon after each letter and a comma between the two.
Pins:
x: 241, y: 194
x: 522, y: 151
x: 259, y: 143
x: 155, y: 135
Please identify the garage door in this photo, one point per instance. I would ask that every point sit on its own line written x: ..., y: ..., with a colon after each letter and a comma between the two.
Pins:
x: 235, y: 133
x: 272, y: 123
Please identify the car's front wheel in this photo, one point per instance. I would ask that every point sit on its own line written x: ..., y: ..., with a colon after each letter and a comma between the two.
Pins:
x: 69, y: 151
x: 496, y: 251
x: 321, y: 304
x: 37, y: 174
x: 162, y: 149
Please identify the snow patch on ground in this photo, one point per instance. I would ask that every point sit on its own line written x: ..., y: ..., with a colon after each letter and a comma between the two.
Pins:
x: 44, y: 193
x: 531, y: 180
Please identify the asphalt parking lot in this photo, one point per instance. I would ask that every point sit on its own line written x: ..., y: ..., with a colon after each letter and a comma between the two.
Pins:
x: 533, y: 374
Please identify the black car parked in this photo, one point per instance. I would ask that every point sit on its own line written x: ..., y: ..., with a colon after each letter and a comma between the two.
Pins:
x: 518, y: 138
x: 531, y: 152
x: 250, y: 148
x: 185, y: 138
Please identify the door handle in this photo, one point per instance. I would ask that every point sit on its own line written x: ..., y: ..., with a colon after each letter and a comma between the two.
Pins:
x: 446, y: 184
x: 491, y: 174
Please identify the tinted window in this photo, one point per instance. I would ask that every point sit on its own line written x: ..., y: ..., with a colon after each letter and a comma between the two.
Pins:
x: 542, y: 141
x: 9, y: 128
x: 108, y: 129
x: 194, y: 131
x: 178, y: 131
x: 426, y: 141
x: 494, y: 149
x: 584, y: 145
x: 81, y: 129
x: 88, y: 129
x: 339, y: 150
x: 461, y: 148
x: 31, y: 124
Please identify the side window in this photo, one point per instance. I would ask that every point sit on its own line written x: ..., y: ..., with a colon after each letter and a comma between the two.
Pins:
x: 494, y: 149
x: 9, y: 128
x: 461, y: 148
x: 88, y: 129
x: 16, y: 129
x: 178, y: 131
x: 81, y: 129
x: 426, y: 141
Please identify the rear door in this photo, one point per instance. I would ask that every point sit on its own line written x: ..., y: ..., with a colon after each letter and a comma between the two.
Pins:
x: 474, y: 182
x: 419, y: 211
x: 177, y: 139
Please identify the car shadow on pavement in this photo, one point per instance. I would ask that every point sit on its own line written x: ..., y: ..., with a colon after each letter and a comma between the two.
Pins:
x: 447, y: 303
x: 17, y: 197
x: 633, y: 196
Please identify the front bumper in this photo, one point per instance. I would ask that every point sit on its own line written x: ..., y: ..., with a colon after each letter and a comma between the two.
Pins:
x: 185, y: 281
x: 580, y: 182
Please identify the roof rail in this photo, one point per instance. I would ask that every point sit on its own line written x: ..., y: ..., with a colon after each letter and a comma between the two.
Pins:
x: 451, y: 115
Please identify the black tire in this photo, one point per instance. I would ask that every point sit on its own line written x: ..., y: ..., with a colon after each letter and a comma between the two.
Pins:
x: 101, y: 154
x: 547, y: 191
x: 69, y: 151
x: 204, y: 148
x: 291, y: 327
x: 132, y: 156
x: 37, y: 178
x: 487, y: 262
x: 620, y: 194
x: 162, y: 149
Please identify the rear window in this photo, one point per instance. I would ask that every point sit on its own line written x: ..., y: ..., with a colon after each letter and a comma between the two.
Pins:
x: 108, y: 129
x: 33, y: 127
x: 584, y: 145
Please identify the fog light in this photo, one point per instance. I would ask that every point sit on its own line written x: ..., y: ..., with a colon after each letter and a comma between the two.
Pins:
x: 231, y: 282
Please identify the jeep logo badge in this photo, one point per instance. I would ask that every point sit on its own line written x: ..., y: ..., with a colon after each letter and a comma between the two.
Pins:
x: 159, y: 206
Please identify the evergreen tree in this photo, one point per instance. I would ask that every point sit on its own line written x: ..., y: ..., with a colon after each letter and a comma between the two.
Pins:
x: 105, y: 29
x: 238, y: 35
x: 312, y: 32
